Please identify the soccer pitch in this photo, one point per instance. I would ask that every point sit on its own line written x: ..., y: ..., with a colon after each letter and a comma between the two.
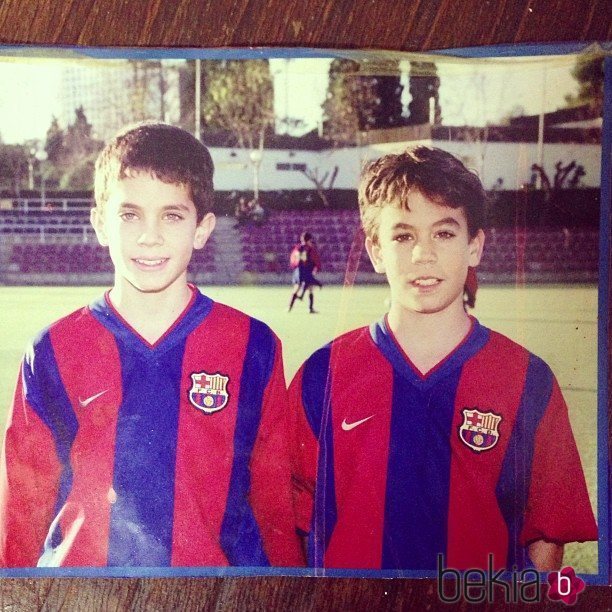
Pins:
x: 558, y: 323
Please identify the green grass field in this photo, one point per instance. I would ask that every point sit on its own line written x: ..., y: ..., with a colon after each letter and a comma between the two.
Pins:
x: 558, y: 323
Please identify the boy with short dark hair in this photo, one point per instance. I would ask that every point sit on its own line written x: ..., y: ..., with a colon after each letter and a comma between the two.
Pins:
x: 148, y: 428
x: 427, y: 436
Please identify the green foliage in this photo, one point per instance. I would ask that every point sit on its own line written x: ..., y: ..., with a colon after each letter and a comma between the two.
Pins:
x: 54, y: 144
x: 78, y: 141
x: 71, y: 153
x: 238, y: 96
x: 589, y: 72
x: 187, y: 93
x: 80, y: 175
x: 146, y: 88
x: 13, y: 166
x: 351, y: 102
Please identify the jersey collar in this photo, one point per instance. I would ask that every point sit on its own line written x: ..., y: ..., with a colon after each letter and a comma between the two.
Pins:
x: 384, y: 339
x: 194, y: 313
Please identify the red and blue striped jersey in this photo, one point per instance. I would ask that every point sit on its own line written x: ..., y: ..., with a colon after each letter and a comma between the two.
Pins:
x: 121, y: 453
x: 392, y: 467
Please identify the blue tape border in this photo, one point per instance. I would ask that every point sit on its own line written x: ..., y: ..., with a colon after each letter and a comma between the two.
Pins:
x: 237, y: 572
x: 229, y: 53
x: 604, y: 402
x: 524, y: 49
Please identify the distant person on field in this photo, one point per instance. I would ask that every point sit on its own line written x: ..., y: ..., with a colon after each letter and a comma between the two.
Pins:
x: 248, y: 211
x: 149, y: 428
x: 428, y: 439
x: 242, y: 211
x: 257, y: 212
x: 305, y: 262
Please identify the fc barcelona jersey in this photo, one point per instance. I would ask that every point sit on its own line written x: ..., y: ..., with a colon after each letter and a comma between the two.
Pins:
x: 122, y: 453
x: 393, y: 468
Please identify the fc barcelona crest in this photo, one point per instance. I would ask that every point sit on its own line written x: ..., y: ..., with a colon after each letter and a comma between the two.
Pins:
x: 208, y: 391
x: 479, y: 429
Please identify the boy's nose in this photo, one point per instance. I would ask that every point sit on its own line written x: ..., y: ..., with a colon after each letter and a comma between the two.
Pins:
x: 151, y: 236
x: 423, y: 252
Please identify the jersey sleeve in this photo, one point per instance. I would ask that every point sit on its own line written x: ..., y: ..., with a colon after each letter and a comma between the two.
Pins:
x: 316, y: 258
x: 29, y: 477
x: 271, y: 474
x: 305, y: 450
x: 558, y: 507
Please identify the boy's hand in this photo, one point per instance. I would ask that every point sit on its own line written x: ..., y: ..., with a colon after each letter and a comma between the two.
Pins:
x: 546, y: 556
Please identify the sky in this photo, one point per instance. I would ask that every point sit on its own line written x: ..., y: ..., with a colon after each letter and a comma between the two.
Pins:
x: 471, y: 92
x: 29, y: 97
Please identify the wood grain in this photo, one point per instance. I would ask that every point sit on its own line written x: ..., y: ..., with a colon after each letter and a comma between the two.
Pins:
x: 383, y: 24
x: 415, y: 25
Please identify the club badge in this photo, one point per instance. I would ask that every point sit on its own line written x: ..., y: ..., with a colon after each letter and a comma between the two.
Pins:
x: 208, y: 391
x: 479, y: 429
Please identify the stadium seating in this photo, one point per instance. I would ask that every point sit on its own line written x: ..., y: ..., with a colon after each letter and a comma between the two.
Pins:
x: 83, y: 258
x: 63, y: 242
x: 63, y: 258
x: 266, y: 248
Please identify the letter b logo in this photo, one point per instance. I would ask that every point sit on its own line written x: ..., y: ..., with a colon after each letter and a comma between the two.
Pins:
x: 564, y: 585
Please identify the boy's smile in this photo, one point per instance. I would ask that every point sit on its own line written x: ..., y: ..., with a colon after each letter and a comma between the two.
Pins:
x: 425, y: 253
x: 151, y: 230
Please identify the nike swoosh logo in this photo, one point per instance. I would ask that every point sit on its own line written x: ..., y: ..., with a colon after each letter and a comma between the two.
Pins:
x: 348, y: 426
x: 84, y: 403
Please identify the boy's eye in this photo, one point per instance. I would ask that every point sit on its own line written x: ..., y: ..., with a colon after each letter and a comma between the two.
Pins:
x: 402, y: 237
x: 445, y: 234
x: 174, y: 217
x: 127, y: 216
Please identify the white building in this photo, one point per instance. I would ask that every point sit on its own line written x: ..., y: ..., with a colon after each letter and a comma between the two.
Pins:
x: 493, y: 159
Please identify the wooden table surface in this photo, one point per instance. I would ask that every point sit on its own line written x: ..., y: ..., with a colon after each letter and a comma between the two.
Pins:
x: 416, y: 25
x: 383, y: 24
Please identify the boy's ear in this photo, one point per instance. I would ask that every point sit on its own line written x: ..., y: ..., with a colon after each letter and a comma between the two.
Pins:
x: 97, y: 221
x: 204, y: 230
x: 476, y: 247
x: 375, y: 254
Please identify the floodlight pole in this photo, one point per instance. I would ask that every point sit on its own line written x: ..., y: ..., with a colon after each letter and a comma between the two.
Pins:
x: 540, y: 151
x: 256, y: 156
x: 41, y: 156
x: 31, y: 159
x: 198, y: 97
x: 30, y: 174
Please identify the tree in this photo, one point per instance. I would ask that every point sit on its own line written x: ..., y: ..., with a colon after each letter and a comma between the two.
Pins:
x: 424, y: 85
x: 351, y: 102
x: 567, y: 176
x: 13, y: 166
x: 589, y: 72
x: 187, y: 91
x: 79, y: 176
x: 71, y: 153
x: 238, y: 97
x: 147, y: 89
x: 187, y: 95
x: 54, y: 144
x: 312, y: 174
x: 78, y: 141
